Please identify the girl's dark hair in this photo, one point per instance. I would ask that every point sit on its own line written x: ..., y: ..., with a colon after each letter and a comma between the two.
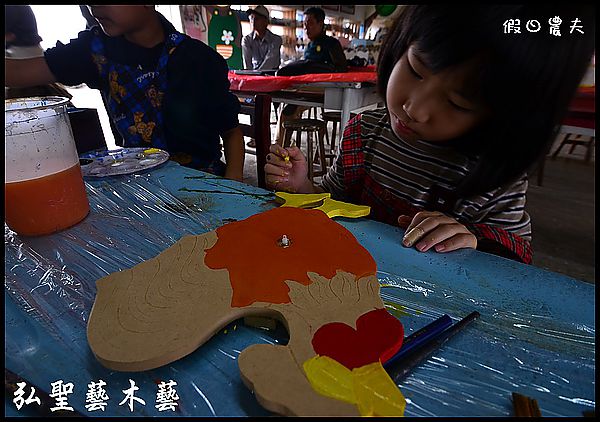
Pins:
x: 527, y: 79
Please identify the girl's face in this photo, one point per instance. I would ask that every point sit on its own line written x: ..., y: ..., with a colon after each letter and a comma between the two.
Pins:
x: 427, y: 106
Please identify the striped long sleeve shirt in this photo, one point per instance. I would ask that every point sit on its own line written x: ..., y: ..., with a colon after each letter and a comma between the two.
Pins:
x: 374, y: 167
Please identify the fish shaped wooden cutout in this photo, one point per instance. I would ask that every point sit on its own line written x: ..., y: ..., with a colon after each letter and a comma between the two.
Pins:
x: 321, y: 284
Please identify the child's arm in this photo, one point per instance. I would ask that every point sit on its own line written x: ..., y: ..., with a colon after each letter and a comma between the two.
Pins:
x: 286, y: 170
x: 503, y: 228
x: 27, y: 72
x: 501, y: 242
x: 434, y: 230
x: 233, y: 145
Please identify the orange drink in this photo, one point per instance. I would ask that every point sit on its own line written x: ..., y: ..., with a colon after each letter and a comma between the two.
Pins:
x: 43, y: 185
x: 46, y: 204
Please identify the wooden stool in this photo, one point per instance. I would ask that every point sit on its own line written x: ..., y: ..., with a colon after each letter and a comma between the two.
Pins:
x: 311, y: 113
x: 574, y: 140
x: 311, y: 127
x: 336, y: 118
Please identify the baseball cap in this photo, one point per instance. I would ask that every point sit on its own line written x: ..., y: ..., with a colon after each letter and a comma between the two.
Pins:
x: 259, y: 10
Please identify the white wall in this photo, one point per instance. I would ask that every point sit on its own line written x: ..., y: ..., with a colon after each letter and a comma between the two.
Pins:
x: 58, y: 22
x: 64, y: 22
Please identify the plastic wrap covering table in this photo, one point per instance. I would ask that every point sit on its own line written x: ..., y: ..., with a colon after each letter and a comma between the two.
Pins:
x: 535, y: 336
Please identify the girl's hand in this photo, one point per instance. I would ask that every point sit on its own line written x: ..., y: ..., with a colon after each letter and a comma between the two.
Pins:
x: 287, y: 175
x: 434, y: 229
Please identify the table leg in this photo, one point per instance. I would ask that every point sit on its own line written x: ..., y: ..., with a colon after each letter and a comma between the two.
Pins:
x: 345, y: 111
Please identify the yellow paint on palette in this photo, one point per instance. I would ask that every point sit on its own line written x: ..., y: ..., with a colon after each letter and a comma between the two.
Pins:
x: 151, y: 151
x: 369, y: 387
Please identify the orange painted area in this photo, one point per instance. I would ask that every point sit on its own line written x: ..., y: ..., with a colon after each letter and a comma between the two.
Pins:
x: 258, y: 266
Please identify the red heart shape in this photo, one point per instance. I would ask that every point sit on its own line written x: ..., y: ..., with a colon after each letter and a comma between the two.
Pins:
x: 378, y: 336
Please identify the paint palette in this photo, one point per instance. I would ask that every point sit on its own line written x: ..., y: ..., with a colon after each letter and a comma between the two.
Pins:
x: 104, y: 163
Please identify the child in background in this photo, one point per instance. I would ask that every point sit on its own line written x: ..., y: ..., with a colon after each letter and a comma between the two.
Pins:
x: 470, y: 109
x: 163, y: 88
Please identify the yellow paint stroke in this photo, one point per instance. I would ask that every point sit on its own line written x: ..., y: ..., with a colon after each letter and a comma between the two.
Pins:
x: 322, y: 202
x: 334, y: 208
x: 330, y: 378
x: 369, y: 387
x: 376, y: 393
x: 151, y: 151
x: 300, y: 200
x: 398, y: 311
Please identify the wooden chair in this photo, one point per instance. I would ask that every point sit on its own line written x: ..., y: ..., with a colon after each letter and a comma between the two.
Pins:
x: 258, y: 107
x: 336, y: 118
x: 580, y: 121
x: 576, y: 128
x: 314, y: 128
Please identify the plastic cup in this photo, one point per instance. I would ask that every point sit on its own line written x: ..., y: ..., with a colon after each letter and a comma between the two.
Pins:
x: 44, y: 190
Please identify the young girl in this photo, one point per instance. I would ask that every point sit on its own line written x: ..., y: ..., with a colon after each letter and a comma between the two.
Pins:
x: 470, y: 108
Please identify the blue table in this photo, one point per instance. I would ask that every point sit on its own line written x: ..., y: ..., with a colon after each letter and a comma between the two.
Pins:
x: 535, y: 336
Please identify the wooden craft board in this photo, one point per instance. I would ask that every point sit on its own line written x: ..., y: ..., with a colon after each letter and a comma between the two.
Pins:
x: 322, y: 287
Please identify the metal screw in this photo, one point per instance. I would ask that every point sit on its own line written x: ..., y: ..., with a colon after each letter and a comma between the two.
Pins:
x: 284, y: 242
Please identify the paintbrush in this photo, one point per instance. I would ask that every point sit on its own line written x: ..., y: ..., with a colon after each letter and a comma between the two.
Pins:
x: 419, y: 338
x: 402, y: 368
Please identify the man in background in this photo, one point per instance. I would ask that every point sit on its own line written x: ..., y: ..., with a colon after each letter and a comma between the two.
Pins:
x: 324, y: 54
x: 261, y: 48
